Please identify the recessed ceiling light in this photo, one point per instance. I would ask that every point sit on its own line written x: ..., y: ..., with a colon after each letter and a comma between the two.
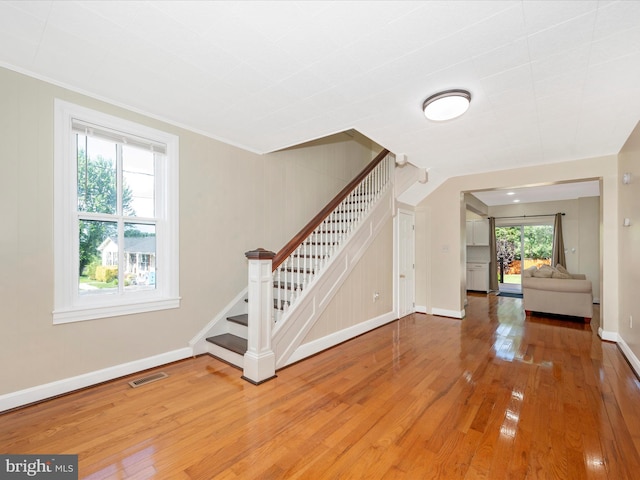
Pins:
x: 511, y: 193
x: 516, y: 201
x: 446, y: 105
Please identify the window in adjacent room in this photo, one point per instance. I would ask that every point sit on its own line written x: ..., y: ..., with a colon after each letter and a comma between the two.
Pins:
x: 116, y: 216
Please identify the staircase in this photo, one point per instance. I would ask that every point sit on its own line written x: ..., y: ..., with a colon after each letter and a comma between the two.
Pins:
x: 299, y: 271
x: 232, y: 345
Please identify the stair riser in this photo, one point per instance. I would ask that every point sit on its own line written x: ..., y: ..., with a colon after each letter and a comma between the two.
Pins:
x: 226, y: 355
x: 237, y: 329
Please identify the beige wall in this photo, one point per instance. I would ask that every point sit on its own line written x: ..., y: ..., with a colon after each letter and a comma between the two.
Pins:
x: 231, y: 201
x: 580, y: 230
x: 630, y: 243
x: 354, y: 302
x: 439, y: 269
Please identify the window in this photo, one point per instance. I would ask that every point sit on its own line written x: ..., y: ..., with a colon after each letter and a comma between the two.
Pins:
x: 115, y: 216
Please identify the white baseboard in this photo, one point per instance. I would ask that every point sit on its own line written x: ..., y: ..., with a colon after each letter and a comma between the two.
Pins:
x: 608, y: 336
x: 441, y: 312
x: 316, y: 346
x: 448, y: 313
x: 59, y: 387
x: 631, y: 357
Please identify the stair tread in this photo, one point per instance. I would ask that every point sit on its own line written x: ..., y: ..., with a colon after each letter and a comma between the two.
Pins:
x: 240, y: 319
x: 230, y: 342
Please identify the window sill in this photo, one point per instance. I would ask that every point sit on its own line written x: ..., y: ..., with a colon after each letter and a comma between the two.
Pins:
x: 80, y: 314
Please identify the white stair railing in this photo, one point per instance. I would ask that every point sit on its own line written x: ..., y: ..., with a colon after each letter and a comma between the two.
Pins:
x: 315, y: 249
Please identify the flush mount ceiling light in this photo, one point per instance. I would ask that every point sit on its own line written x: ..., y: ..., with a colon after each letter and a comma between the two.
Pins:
x: 446, y: 105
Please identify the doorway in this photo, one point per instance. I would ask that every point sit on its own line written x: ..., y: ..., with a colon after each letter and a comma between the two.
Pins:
x: 406, y: 263
x: 519, y: 247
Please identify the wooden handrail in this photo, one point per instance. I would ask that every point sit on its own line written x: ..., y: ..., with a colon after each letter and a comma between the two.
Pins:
x: 290, y: 247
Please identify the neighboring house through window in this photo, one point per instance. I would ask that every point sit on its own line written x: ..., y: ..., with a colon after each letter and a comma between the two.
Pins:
x: 116, y: 216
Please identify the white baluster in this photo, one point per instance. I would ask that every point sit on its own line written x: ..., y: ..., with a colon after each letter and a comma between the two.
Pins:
x: 325, y: 241
x: 297, y: 286
x: 304, y: 278
x: 317, y: 250
x: 287, y: 279
x: 359, y: 197
x: 279, y: 283
x: 346, y: 215
x: 367, y: 191
x: 327, y: 236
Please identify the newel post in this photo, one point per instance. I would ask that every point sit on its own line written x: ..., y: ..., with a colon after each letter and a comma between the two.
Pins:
x: 260, y: 361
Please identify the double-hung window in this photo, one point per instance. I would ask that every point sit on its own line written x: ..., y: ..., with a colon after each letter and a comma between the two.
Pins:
x: 115, y: 216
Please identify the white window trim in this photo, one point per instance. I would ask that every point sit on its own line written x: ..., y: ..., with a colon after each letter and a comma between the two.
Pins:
x: 68, y: 305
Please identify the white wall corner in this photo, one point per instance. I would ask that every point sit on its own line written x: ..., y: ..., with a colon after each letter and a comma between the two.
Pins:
x: 42, y: 392
x: 608, y: 336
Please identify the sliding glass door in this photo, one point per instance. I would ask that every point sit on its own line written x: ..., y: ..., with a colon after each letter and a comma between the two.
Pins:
x: 519, y: 247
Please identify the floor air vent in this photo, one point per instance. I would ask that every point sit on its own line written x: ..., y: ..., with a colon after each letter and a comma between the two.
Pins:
x: 148, y: 379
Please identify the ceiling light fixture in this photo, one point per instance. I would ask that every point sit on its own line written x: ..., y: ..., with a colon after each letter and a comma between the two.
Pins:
x: 446, y: 105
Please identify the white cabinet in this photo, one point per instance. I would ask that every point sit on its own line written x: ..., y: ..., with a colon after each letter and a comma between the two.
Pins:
x: 478, y: 232
x: 478, y: 276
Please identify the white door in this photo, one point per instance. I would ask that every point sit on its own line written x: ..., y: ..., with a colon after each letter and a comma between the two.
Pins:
x: 406, y: 263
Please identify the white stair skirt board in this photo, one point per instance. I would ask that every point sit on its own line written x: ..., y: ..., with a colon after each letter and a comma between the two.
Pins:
x: 218, y: 325
x: 60, y: 387
x: 315, y: 346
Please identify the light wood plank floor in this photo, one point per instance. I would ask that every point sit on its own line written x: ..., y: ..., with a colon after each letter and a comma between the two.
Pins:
x: 494, y: 396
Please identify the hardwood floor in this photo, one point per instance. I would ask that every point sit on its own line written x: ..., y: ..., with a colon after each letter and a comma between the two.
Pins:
x: 494, y: 396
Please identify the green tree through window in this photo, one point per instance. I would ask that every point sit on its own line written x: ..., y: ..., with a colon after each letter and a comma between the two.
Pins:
x: 97, y: 192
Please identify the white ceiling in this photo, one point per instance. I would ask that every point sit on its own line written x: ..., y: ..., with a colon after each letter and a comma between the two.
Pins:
x: 550, y: 80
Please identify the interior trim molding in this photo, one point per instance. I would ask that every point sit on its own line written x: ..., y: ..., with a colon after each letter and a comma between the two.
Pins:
x: 441, y: 312
x: 630, y: 356
x: 59, y: 387
x: 421, y: 309
x: 608, y: 336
